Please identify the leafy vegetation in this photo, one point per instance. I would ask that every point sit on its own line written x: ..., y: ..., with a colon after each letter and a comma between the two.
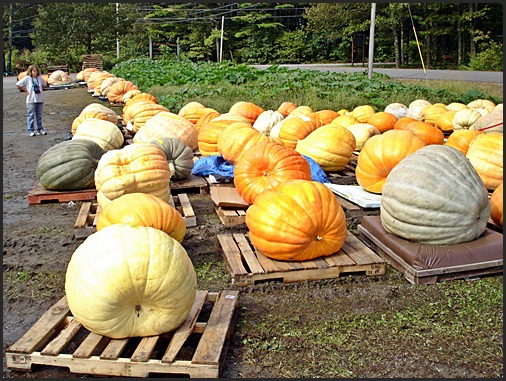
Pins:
x: 219, y: 85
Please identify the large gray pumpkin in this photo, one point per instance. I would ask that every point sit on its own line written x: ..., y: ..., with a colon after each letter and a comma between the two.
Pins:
x: 69, y: 165
x: 435, y: 196
x: 179, y: 156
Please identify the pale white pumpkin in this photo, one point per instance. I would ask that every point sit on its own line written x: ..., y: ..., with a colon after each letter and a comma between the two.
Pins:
x: 103, y: 132
x: 168, y: 124
x: 266, y: 120
x: 435, y: 196
x: 126, y: 281
x: 465, y: 119
x: 398, y: 109
x: 416, y: 107
x: 362, y: 132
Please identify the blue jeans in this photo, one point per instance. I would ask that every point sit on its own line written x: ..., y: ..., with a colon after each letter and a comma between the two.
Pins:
x: 34, y: 114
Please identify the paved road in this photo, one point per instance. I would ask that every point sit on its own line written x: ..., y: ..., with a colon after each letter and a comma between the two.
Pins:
x: 453, y: 75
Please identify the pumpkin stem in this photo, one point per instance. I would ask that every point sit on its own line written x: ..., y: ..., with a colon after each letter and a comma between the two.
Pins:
x: 137, y: 310
x: 318, y: 238
x: 266, y: 173
x: 172, y: 168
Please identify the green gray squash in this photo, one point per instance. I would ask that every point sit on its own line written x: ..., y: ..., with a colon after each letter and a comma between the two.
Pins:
x: 69, y: 165
x: 179, y: 156
x: 435, y: 196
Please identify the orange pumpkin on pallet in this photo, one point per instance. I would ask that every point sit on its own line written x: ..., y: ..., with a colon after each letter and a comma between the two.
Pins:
x: 298, y: 220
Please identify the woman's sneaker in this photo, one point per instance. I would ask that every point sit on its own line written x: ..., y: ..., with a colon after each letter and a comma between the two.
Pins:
x: 41, y: 132
x: 31, y: 133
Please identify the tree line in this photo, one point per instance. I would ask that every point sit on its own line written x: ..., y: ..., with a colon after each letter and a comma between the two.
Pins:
x: 443, y: 35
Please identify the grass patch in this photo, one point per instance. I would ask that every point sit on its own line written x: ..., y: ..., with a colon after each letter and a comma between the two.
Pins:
x: 31, y: 285
x: 345, y: 337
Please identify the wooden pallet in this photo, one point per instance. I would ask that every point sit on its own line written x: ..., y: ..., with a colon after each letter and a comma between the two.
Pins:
x: 247, y: 265
x: 432, y: 275
x: 182, y: 203
x: 229, y: 205
x: 86, y: 223
x: 192, y: 184
x: 346, y: 176
x: 39, y: 195
x: 52, y: 68
x: 197, y: 348
x: 92, y: 61
x: 231, y: 217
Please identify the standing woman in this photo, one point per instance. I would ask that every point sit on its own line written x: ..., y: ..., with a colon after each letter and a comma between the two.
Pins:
x: 33, y: 85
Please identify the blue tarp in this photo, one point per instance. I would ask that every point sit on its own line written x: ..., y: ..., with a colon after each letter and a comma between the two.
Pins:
x: 216, y: 165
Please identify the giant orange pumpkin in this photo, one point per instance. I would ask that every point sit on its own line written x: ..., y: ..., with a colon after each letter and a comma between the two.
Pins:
x: 383, y: 121
x: 119, y: 89
x: 486, y: 155
x: 248, y: 109
x: 286, y: 108
x: 460, y: 139
x: 331, y: 146
x: 298, y: 220
x: 428, y: 132
x: 142, y: 209
x: 266, y: 165
x: 294, y: 128
x: 381, y: 153
x: 209, y: 134
x: 497, y: 206
x: 237, y: 138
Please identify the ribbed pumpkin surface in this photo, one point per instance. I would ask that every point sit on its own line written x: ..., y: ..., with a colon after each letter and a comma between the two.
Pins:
x: 237, y: 138
x: 266, y: 165
x: 142, y: 209
x: 486, y: 156
x: 168, y: 124
x: 331, y: 146
x: 138, y: 167
x: 435, y: 196
x: 297, y: 221
x: 69, y: 165
x: 126, y: 281
x: 461, y: 139
x: 380, y: 154
x: 106, y: 134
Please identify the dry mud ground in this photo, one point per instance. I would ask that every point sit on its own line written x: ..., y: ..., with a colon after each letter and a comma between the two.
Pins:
x: 38, y: 241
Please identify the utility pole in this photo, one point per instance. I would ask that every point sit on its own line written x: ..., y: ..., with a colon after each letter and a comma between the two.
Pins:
x: 117, y: 30
x: 371, y: 40
x: 221, y: 41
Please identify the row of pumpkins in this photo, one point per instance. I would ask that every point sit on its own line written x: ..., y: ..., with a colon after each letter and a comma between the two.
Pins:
x: 56, y: 78
x: 134, y: 278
